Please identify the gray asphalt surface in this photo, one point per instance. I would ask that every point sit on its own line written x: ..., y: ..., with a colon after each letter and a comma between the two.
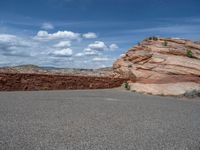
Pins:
x: 97, y: 120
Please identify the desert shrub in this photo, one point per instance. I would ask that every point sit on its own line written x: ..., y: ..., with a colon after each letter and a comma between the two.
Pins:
x: 150, y: 38
x: 129, y: 66
x: 165, y: 43
x: 189, y: 54
x: 127, y: 86
x: 192, y: 94
x: 154, y: 38
x: 45, y: 88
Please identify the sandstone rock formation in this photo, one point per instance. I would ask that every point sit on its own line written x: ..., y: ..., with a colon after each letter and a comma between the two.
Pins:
x: 162, y: 66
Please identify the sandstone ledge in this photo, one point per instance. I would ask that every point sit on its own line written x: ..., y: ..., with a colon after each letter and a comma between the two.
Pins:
x: 170, y: 89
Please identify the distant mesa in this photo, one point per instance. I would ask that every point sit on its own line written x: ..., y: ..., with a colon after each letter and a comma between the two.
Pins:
x: 34, y: 69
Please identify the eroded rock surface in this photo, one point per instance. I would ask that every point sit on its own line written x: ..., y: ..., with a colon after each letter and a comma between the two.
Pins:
x: 160, y: 65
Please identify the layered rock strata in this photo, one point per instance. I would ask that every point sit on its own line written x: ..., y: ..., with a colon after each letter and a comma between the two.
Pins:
x: 162, y: 66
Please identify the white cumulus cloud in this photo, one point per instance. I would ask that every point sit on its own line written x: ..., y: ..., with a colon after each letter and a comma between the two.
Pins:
x: 9, y: 40
x: 45, y: 36
x: 79, y: 54
x: 90, y: 35
x: 63, y: 44
x: 54, y: 49
x: 113, y: 47
x: 11, y: 45
x: 100, y: 59
x: 67, y: 52
x: 47, y: 26
x: 90, y: 52
x: 98, y: 46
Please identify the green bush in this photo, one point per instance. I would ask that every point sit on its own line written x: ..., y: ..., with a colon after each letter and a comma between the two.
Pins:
x: 192, y: 94
x: 165, y: 43
x: 154, y: 38
x: 150, y: 38
x: 189, y: 54
x: 130, y: 66
x: 127, y: 86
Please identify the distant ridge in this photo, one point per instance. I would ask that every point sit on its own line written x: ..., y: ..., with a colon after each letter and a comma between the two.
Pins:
x: 34, y: 69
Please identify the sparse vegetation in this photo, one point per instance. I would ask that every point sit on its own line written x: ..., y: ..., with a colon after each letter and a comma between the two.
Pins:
x: 192, y: 94
x: 45, y: 88
x: 154, y: 38
x: 127, y: 86
x: 189, y: 54
x: 129, y: 66
x: 165, y: 43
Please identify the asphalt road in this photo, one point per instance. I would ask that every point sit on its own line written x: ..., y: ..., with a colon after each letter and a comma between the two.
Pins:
x: 97, y: 120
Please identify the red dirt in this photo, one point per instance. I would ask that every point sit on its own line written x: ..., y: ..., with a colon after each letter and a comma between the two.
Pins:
x: 34, y: 82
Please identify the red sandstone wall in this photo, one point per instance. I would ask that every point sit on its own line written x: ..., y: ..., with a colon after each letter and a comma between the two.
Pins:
x: 28, y: 82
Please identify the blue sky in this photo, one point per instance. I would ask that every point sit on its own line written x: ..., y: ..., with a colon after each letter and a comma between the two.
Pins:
x: 88, y: 33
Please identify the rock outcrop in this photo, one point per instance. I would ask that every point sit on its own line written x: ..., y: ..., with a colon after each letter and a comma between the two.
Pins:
x: 162, y: 66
